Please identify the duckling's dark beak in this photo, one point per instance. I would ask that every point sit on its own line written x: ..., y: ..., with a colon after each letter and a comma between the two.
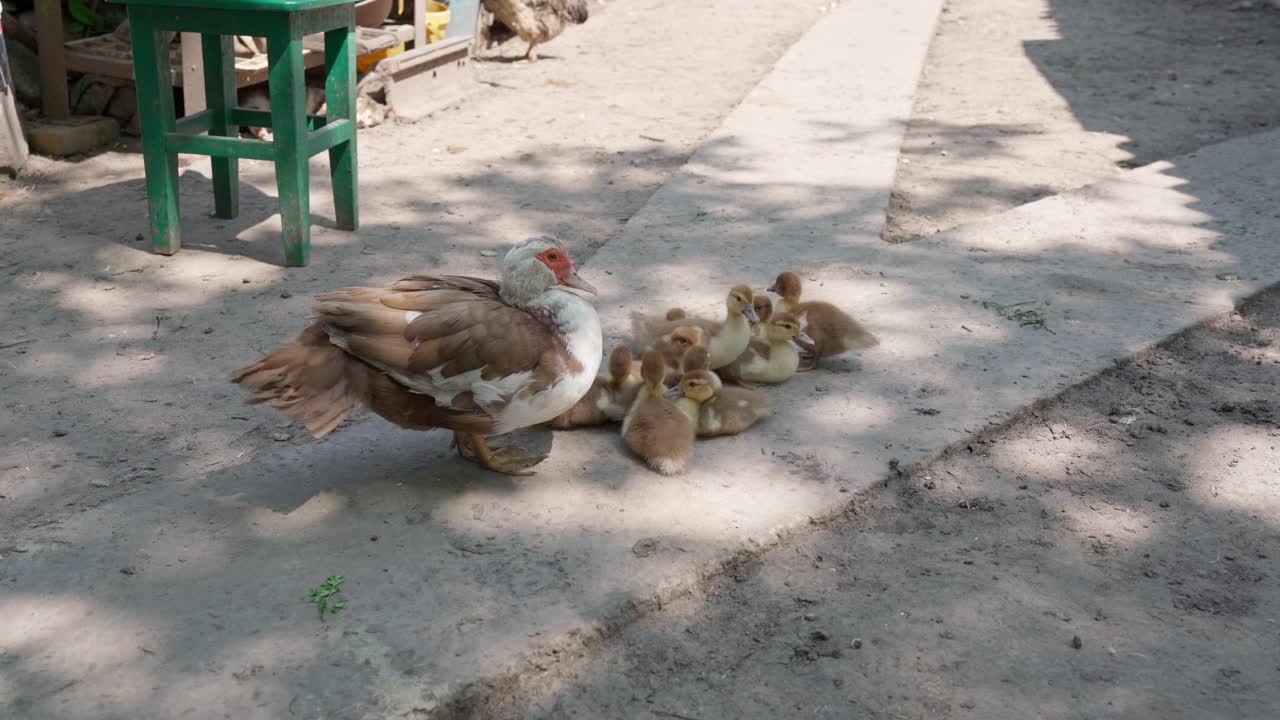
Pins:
x: 675, y: 392
x: 751, y: 313
x: 575, y: 281
x: 773, y: 289
x: 802, y: 337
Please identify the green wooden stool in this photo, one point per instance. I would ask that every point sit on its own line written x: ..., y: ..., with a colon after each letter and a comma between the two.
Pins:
x: 296, y: 135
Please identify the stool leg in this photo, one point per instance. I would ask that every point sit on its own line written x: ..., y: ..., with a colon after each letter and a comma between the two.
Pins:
x: 289, y: 125
x: 340, y: 99
x: 220, y: 98
x: 157, y: 116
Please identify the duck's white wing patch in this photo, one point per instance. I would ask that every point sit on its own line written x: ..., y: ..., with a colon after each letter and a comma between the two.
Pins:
x: 492, y: 395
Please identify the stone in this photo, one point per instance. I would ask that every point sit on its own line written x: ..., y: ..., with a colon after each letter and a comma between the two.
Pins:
x: 24, y: 70
x: 93, y: 96
x: 22, y: 30
x: 124, y: 106
x: 645, y: 547
x: 60, y: 138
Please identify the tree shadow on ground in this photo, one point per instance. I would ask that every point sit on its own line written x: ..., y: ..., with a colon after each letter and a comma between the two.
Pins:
x: 174, y: 607
x: 1146, y: 80
x: 1114, y: 552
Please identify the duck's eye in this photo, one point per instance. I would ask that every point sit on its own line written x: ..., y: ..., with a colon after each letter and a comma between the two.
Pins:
x: 552, y: 256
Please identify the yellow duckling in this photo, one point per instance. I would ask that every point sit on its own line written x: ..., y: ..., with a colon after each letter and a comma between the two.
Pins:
x: 773, y: 360
x: 609, y: 397
x: 832, y: 330
x: 731, y: 409
x: 725, y: 339
x: 661, y: 429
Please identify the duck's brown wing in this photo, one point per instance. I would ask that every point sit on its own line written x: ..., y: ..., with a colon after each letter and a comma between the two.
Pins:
x: 451, y: 338
x: 427, y: 351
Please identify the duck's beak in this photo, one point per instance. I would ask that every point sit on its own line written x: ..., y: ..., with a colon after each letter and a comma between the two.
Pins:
x: 575, y: 281
x: 802, y: 337
x: 773, y: 289
x: 751, y: 313
x: 674, y: 392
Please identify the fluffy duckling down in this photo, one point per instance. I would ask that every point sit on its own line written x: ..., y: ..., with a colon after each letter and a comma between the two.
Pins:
x: 730, y: 410
x: 660, y: 428
x: 832, y: 331
x: 675, y: 344
x: 773, y: 360
x: 726, y: 339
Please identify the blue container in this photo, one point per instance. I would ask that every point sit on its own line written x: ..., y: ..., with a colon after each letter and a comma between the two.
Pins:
x: 462, y: 18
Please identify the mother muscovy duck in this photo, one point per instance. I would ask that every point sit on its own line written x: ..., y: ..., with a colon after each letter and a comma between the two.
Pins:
x: 460, y: 353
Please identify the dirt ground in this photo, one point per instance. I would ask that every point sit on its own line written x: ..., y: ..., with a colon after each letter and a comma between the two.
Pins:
x: 1138, y: 513
x: 1115, y: 553
x: 109, y: 355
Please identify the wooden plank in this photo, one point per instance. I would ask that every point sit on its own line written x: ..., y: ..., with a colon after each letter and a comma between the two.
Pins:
x: 156, y: 113
x: 53, y: 60
x: 200, y: 122
x: 192, y: 74
x: 339, y: 135
x: 105, y: 55
x: 220, y: 84
x: 368, y: 40
x: 419, y: 24
x: 289, y: 128
x: 332, y: 134
x: 262, y: 118
x: 219, y: 147
x: 324, y: 19
x: 92, y: 64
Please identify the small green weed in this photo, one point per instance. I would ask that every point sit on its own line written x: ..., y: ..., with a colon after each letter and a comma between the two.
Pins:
x: 1025, y: 317
x: 322, y: 597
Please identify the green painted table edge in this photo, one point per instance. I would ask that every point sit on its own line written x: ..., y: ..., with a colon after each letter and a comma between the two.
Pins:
x: 297, y: 135
x: 247, y: 5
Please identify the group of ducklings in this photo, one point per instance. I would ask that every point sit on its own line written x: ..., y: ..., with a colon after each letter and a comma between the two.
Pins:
x: 677, y: 390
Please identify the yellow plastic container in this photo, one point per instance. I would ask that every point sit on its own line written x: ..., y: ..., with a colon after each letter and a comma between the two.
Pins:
x: 365, y: 63
x: 437, y: 20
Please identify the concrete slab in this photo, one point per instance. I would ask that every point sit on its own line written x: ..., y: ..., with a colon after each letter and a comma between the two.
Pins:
x: 75, y: 135
x: 190, y: 599
x: 119, y: 348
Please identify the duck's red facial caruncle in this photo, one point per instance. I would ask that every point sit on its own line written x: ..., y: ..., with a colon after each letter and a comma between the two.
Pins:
x: 558, y: 262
